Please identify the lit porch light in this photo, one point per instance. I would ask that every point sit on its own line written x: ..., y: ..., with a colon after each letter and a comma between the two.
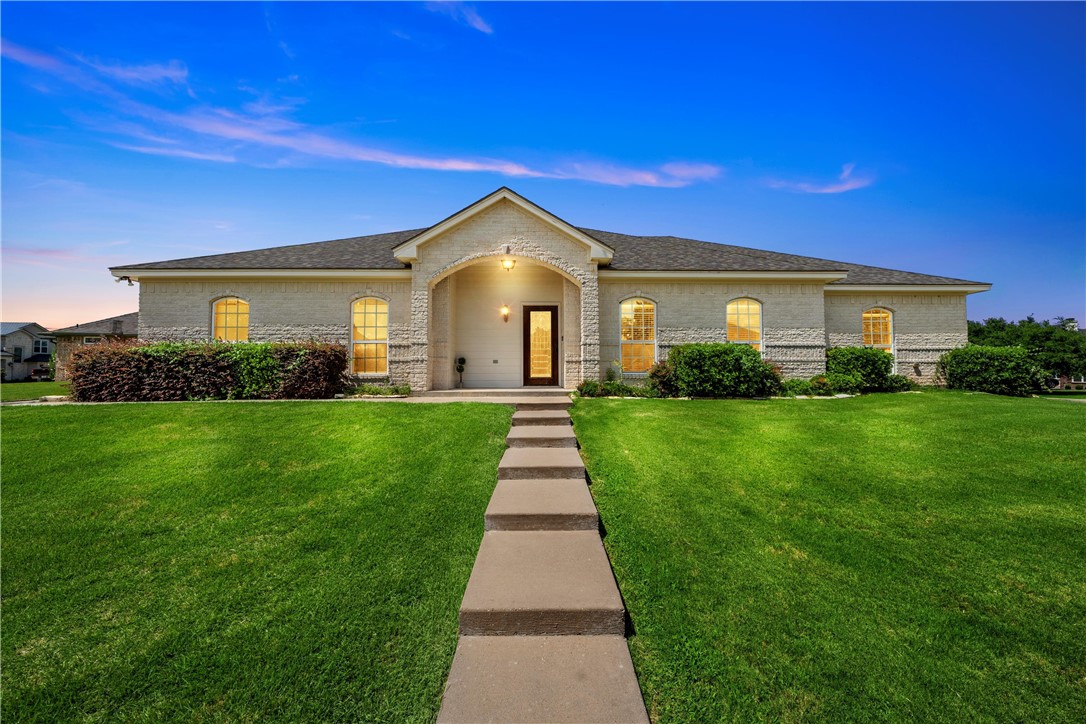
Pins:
x: 504, y: 311
x: 508, y: 264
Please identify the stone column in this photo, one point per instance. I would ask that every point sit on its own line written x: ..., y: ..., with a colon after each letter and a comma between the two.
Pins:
x: 571, y: 333
x: 418, y: 365
x: 590, y: 326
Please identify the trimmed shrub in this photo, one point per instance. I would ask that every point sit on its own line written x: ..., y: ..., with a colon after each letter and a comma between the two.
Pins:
x: 589, y: 388
x: 722, y: 370
x: 998, y: 370
x: 835, y: 383
x: 873, y: 367
x: 900, y: 383
x: 662, y: 379
x: 796, y: 387
x: 127, y: 371
x: 613, y: 388
x: 382, y: 390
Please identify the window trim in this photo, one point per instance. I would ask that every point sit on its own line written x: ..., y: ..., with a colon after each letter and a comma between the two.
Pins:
x: 92, y: 340
x: 248, y: 317
x: 893, y: 333
x: 354, y: 344
x: 655, y: 334
x: 761, y: 323
x: 44, y: 343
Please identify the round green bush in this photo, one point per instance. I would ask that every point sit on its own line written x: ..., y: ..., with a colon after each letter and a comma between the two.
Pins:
x: 998, y: 370
x: 722, y: 370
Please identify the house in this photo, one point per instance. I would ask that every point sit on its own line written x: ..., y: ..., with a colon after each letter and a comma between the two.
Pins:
x: 72, y: 338
x: 26, y: 349
x: 529, y: 299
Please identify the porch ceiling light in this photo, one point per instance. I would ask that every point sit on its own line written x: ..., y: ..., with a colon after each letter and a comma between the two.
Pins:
x: 505, y: 313
x: 508, y: 264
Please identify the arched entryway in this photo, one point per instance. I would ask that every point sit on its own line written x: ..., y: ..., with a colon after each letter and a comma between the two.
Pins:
x: 514, y: 327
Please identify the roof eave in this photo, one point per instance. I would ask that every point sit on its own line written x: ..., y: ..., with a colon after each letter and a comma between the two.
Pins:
x: 963, y: 288
x: 815, y: 276
x: 136, y: 275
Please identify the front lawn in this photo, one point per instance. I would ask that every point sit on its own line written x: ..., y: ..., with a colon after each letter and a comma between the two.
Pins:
x: 890, y: 557
x: 31, y: 390
x: 295, y: 561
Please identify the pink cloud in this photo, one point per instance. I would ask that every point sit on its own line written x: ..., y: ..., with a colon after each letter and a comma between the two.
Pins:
x: 150, y: 74
x: 691, y: 171
x: 462, y: 13
x: 846, y: 181
x: 260, y: 125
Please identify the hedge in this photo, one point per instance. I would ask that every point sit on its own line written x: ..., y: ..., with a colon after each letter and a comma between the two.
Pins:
x: 999, y: 370
x: 872, y: 367
x: 170, y: 371
x: 721, y: 370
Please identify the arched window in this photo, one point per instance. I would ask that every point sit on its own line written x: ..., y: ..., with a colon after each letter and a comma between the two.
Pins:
x: 637, y: 338
x: 230, y: 321
x: 745, y: 322
x: 369, y: 337
x: 879, y: 329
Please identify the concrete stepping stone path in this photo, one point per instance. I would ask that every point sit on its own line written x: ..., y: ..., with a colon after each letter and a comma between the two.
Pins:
x: 542, y: 622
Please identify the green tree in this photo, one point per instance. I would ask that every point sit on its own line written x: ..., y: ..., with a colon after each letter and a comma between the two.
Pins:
x: 1058, y: 347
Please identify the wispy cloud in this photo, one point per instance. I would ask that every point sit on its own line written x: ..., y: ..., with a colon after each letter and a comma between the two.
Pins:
x: 262, y: 133
x: 847, y: 180
x: 462, y: 13
x: 151, y: 74
x: 176, y: 153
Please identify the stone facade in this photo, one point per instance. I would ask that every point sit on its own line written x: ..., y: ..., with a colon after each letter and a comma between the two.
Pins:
x: 925, y: 326
x: 503, y: 230
x: 793, y: 320
x: 800, y: 319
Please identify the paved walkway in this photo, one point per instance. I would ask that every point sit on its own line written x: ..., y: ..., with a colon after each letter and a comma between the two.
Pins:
x: 542, y: 624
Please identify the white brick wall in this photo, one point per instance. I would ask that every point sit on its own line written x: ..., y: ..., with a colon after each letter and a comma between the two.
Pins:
x: 926, y: 325
x: 799, y: 320
x: 279, y: 310
x: 792, y: 318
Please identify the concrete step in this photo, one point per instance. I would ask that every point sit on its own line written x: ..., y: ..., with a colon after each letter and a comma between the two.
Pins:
x: 541, y: 417
x: 542, y: 679
x: 545, y: 403
x: 541, y: 436
x: 542, y: 505
x: 541, y: 583
x: 538, y: 463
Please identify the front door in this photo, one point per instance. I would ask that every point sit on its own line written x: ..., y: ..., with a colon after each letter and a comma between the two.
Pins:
x: 540, y: 345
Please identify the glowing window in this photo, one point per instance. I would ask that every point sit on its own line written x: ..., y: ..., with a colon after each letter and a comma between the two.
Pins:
x: 745, y: 322
x: 879, y: 329
x: 231, y: 320
x: 369, y: 337
x: 638, y: 335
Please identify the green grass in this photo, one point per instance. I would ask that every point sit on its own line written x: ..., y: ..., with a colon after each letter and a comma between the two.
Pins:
x: 239, y: 561
x: 890, y: 557
x: 30, y: 390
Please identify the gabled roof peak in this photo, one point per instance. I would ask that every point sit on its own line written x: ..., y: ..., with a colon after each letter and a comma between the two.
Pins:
x: 408, y: 251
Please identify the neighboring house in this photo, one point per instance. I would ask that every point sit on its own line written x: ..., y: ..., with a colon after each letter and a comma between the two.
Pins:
x: 70, y: 339
x: 27, y: 347
x: 529, y: 299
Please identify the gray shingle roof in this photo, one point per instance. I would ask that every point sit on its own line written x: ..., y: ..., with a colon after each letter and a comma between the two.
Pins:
x: 357, y: 252
x: 632, y: 253
x: 9, y: 327
x: 129, y: 324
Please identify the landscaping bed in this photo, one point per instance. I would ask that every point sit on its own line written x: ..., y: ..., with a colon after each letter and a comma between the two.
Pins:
x: 294, y: 562
x: 917, y: 557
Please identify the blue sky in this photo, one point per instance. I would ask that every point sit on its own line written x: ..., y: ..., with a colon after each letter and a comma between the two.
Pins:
x: 942, y: 138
